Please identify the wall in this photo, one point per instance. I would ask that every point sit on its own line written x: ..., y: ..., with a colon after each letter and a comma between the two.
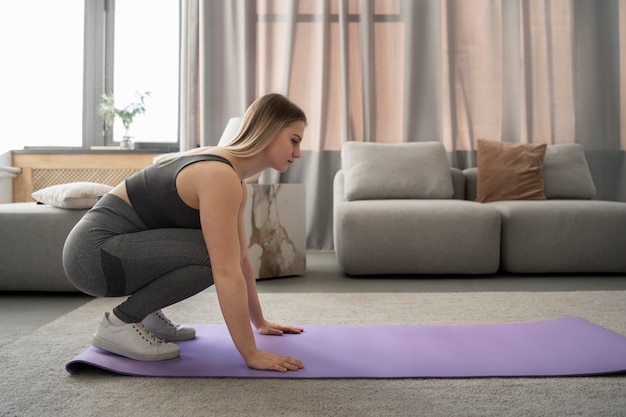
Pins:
x: 6, y: 180
x: 44, y: 169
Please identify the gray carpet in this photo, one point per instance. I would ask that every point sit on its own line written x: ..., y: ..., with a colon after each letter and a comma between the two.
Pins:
x: 34, y: 381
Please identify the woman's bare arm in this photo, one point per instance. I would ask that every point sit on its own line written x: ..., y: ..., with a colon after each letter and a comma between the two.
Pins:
x: 219, y: 201
x: 256, y: 312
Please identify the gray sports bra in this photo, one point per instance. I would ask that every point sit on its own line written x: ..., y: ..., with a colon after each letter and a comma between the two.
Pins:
x: 153, y: 195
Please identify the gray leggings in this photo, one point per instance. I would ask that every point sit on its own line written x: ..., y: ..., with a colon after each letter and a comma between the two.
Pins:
x: 111, y: 253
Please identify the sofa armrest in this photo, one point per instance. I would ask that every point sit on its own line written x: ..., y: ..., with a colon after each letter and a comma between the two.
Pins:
x: 458, y: 182
x: 31, y: 246
x: 338, y: 188
x: 471, y: 179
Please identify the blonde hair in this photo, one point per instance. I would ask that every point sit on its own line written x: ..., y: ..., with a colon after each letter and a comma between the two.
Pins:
x: 263, y: 120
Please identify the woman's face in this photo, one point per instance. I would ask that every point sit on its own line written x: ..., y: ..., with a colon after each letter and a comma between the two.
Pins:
x: 285, y: 148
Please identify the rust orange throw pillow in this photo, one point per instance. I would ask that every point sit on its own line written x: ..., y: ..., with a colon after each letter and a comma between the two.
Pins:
x: 509, y: 171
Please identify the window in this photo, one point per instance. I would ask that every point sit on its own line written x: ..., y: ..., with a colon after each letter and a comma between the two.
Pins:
x: 146, y: 59
x: 60, y: 57
x: 41, y: 43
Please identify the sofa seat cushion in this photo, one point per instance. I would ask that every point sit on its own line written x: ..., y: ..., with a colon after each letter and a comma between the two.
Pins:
x: 31, y: 246
x: 562, y: 236
x: 374, y: 237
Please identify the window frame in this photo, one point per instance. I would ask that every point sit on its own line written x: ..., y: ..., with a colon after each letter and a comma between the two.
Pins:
x: 98, y: 68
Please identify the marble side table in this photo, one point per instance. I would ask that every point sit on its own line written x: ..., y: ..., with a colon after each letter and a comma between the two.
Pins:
x: 275, y: 228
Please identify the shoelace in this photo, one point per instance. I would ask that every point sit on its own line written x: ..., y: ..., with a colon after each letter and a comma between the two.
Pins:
x: 165, y: 320
x: 147, y: 334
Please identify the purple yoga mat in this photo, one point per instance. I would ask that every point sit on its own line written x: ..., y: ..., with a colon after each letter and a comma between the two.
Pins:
x: 566, y: 346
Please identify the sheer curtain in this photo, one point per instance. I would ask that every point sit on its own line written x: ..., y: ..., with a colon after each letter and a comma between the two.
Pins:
x: 217, y: 70
x: 402, y: 70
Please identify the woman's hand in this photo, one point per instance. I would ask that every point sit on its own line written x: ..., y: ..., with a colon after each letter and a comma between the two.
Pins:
x: 267, y: 361
x: 276, y: 329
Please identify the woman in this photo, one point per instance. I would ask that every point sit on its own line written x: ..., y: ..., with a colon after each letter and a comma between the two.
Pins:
x: 174, y: 229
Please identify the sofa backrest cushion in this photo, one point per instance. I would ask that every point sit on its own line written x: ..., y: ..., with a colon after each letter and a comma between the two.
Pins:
x: 566, y: 174
x: 415, y: 170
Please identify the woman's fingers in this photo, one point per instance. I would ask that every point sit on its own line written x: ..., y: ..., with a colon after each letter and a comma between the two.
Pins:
x: 270, y: 361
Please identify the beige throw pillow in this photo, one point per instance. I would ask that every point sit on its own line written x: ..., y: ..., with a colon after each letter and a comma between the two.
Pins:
x: 75, y: 195
x: 509, y: 171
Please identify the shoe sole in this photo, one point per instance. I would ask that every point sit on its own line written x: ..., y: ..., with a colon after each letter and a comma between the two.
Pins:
x: 178, y: 338
x: 144, y: 357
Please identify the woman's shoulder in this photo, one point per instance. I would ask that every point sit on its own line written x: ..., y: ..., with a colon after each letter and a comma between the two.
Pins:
x: 211, y: 166
x: 206, y: 179
x: 203, y: 150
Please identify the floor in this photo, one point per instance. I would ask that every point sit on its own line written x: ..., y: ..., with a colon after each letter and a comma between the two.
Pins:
x: 23, y: 312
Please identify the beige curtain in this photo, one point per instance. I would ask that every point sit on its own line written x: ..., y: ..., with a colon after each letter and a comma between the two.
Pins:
x: 404, y: 70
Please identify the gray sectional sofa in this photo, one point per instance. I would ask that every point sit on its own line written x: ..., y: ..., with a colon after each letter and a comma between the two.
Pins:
x: 32, y: 236
x: 32, y: 244
x: 401, y: 209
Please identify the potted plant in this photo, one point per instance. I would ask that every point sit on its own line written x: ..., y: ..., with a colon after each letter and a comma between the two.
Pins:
x: 127, y: 114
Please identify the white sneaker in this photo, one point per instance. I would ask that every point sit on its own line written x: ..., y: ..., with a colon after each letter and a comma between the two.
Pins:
x: 133, y: 341
x: 163, y: 328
